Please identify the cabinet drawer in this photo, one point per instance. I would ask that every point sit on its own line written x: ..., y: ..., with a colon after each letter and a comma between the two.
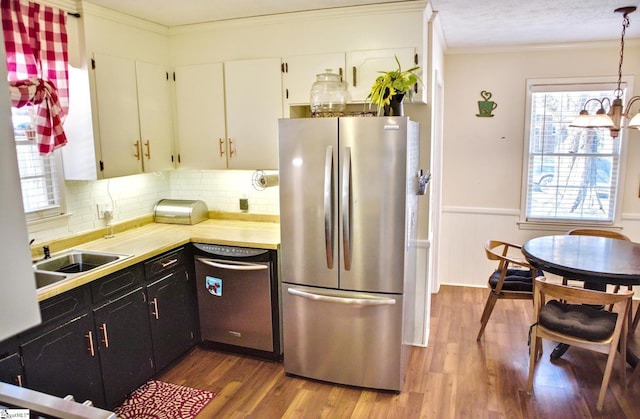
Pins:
x: 113, y: 286
x: 59, y: 309
x: 8, y: 347
x: 165, y: 263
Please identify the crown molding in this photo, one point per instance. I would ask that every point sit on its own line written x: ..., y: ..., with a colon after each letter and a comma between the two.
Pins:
x: 313, y: 15
x: 99, y: 11
x: 541, y: 47
x: 70, y: 6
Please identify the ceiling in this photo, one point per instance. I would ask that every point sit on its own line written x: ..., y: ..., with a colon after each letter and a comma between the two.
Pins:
x: 466, y: 23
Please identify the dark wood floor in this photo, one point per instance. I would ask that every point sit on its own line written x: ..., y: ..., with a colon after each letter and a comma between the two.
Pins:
x: 455, y: 377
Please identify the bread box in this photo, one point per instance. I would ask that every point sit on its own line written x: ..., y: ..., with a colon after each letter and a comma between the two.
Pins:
x: 180, y: 211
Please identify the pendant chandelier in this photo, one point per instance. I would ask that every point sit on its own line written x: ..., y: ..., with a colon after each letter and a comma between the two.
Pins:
x: 613, y: 118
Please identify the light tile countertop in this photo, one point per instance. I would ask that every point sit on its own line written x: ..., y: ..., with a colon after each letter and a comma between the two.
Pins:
x: 153, y: 239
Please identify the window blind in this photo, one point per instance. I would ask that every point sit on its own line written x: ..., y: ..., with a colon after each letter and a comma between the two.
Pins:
x: 572, y: 173
x: 41, y: 194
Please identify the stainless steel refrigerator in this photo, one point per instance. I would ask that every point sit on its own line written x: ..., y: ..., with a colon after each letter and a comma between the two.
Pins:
x: 348, y: 215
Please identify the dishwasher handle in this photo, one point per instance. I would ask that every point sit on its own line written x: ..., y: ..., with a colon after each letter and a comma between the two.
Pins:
x: 342, y: 300
x: 232, y: 265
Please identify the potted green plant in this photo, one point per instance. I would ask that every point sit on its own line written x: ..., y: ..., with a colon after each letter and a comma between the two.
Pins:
x: 390, y: 89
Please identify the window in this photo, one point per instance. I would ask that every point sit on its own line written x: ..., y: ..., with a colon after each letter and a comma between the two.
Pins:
x: 41, y: 185
x: 571, y: 175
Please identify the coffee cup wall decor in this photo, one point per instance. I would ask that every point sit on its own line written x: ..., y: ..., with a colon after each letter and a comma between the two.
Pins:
x: 486, y: 106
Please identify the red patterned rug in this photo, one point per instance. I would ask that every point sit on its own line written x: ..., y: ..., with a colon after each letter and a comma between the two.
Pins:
x: 160, y: 400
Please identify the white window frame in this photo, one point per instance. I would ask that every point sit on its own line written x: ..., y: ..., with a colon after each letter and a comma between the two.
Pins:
x: 56, y: 178
x: 568, y: 84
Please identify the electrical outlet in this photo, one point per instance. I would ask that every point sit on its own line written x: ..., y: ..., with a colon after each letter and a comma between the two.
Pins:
x: 102, y: 207
x: 244, y: 204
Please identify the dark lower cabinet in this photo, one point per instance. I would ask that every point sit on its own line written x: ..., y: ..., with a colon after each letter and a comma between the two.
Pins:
x: 124, y: 342
x: 11, y: 370
x: 63, y: 361
x: 10, y: 366
x: 101, y: 341
x: 171, y: 304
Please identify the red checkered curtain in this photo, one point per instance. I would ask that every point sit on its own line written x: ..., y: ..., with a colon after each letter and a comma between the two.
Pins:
x: 35, y: 40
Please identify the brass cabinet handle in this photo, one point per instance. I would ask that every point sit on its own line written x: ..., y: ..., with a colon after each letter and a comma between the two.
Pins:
x: 104, y: 334
x: 169, y: 263
x: 19, y: 379
x: 220, y: 142
x: 232, y: 151
x: 90, y: 348
x: 137, y: 146
x: 355, y: 76
x: 155, y: 308
x: 148, y: 153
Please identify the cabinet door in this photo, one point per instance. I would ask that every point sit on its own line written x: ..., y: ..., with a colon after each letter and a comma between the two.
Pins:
x: 300, y: 73
x: 11, y: 370
x: 117, y: 105
x: 171, y: 303
x: 364, y: 67
x: 154, y: 108
x: 124, y: 341
x: 201, y: 116
x: 253, y: 96
x: 63, y: 361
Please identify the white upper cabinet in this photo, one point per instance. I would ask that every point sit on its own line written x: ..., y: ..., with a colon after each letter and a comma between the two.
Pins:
x: 200, y: 116
x: 364, y: 67
x: 227, y: 114
x: 134, y: 114
x: 117, y: 106
x: 155, y: 114
x: 299, y: 74
x: 253, y: 97
x: 120, y: 118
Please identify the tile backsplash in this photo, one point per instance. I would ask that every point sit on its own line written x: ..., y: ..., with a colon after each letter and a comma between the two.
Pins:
x: 135, y: 196
x: 222, y: 190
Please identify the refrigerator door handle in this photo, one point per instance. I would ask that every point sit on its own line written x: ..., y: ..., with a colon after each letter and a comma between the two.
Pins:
x: 342, y: 300
x: 328, y: 206
x: 346, y: 207
x: 234, y: 266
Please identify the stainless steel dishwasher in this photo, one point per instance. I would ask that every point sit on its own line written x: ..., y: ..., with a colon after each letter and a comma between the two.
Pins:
x: 238, y: 299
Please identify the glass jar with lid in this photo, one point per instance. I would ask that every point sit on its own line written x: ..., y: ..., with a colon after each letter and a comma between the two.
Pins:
x: 328, y: 94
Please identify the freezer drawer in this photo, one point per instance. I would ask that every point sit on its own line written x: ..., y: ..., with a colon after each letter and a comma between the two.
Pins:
x: 344, y: 337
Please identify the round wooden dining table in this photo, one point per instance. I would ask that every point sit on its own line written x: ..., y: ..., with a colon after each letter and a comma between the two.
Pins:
x: 598, y: 260
x: 587, y: 258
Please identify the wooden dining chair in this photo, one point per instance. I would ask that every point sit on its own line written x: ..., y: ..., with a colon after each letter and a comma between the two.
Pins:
x: 633, y: 320
x: 598, y: 233
x: 562, y: 314
x: 512, y: 279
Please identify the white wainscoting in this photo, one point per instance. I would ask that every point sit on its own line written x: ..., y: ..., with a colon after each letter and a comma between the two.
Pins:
x: 464, y: 231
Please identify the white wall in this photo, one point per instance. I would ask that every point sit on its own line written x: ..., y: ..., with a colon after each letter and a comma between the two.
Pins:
x: 482, y: 157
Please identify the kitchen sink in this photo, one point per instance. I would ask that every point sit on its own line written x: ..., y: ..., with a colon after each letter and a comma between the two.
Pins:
x: 77, y: 261
x: 44, y: 278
